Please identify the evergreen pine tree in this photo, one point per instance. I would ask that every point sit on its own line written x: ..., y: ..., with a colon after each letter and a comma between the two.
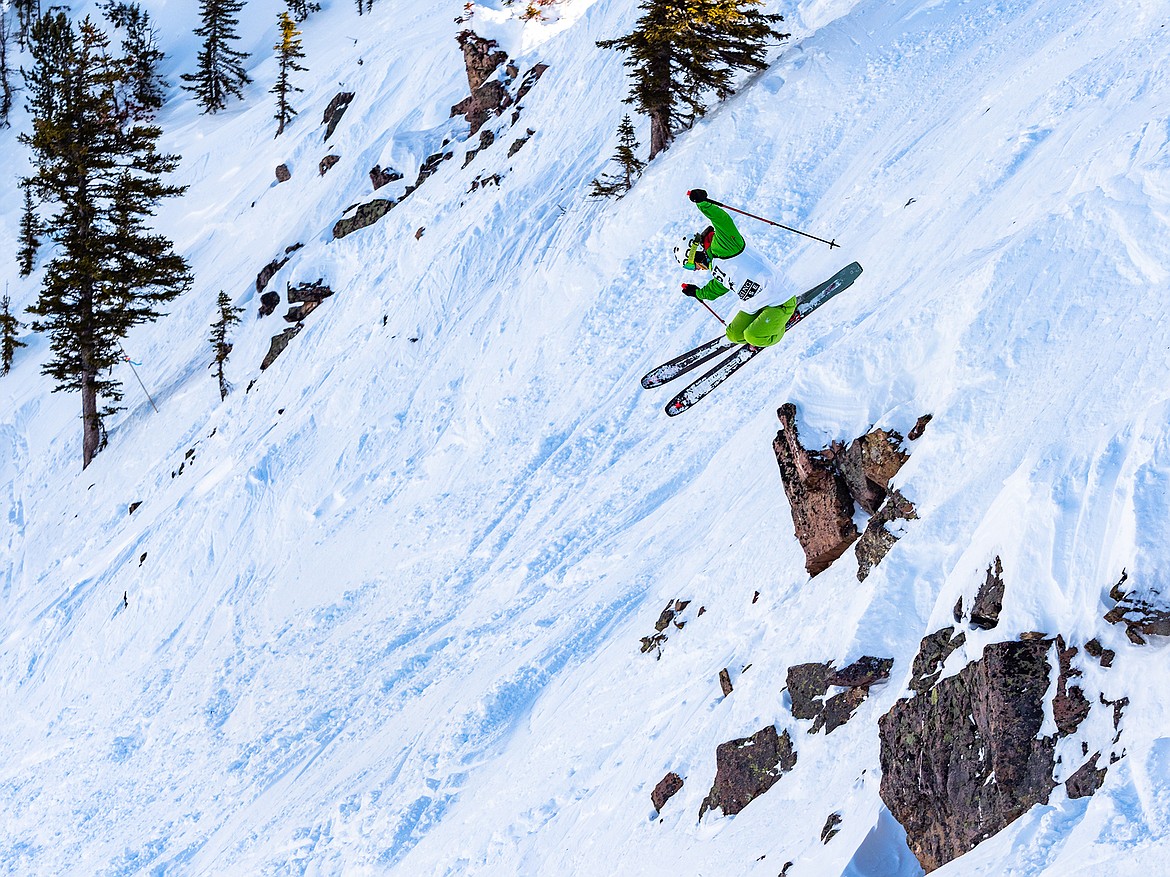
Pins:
x: 103, y: 180
x: 680, y: 51
x: 288, y: 51
x: 28, y: 12
x: 228, y: 317
x: 626, y: 155
x: 144, y: 88
x: 8, y: 340
x: 301, y: 9
x: 30, y: 229
x: 221, y: 68
x: 5, y: 70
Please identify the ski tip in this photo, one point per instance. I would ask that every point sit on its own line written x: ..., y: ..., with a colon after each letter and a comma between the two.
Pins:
x: 674, y: 408
x: 647, y: 384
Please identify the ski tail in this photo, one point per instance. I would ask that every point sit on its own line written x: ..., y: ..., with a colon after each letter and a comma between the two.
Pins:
x: 683, y: 363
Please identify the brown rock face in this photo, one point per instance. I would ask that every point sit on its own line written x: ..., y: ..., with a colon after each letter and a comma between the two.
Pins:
x: 666, y: 789
x: 366, y: 214
x: 327, y: 163
x: 283, y: 174
x: 807, y: 684
x: 380, y: 177
x: 278, y: 345
x: 989, y: 601
x: 868, y: 464
x: 1086, y: 780
x: 822, y: 508
x: 963, y: 761
x: 875, y: 543
x: 747, y: 768
x: 1142, y: 616
x: 488, y: 96
x: 335, y: 111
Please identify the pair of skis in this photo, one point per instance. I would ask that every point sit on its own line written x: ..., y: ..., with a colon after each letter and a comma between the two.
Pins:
x: 742, y: 353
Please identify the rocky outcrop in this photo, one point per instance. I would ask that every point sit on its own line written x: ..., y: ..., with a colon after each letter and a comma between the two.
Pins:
x: 822, y: 508
x: 486, y: 139
x: 666, y: 789
x: 989, y: 600
x: 824, y: 488
x: 746, y: 768
x: 670, y: 616
x: 364, y: 215
x: 306, y: 297
x: 1143, y: 615
x: 269, y: 302
x: 327, y: 163
x: 1086, y: 780
x: 831, y: 827
x: 279, y: 343
x: 335, y: 111
x: 1103, y: 655
x: 519, y: 142
x: 428, y: 168
x: 965, y: 758
x: 380, y: 177
x: 283, y: 174
x: 809, y: 683
x: 489, y: 84
x: 933, y: 652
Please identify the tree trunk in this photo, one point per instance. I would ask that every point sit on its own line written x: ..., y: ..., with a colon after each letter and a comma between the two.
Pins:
x: 91, y: 425
x: 659, y: 132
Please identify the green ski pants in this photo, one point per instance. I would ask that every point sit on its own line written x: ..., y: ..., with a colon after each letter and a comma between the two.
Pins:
x: 762, y: 328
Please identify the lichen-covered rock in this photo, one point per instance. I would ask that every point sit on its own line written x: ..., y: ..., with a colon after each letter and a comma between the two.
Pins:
x: 839, y: 709
x: 335, y: 111
x: 862, y: 673
x: 666, y: 789
x: 807, y: 684
x: 933, y: 652
x: 989, y: 600
x: 748, y: 767
x: 877, y: 540
x: 822, y: 508
x: 365, y: 215
x: 964, y: 760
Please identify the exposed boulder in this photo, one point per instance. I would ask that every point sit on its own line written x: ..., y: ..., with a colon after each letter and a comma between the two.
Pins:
x: 486, y: 138
x: 831, y: 827
x: 933, y: 652
x: 1086, y: 780
x: 380, y: 177
x: 839, y: 709
x: 481, y: 57
x: 278, y: 345
x: 919, y: 427
x: 269, y: 302
x: 1143, y: 616
x: 315, y: 292
x: 822, y: 508
x: 807, y: 684
x: 877, y: 540
x: 862, y: 673
x: 671, y: 615
x: 1069, y: 704
x: 518, y: 143
x: 530, y: 79
x: 364, y: 215
x: 666, y: 789
x: 965, y: 759
x: 1103, y: 655
x: 748, y: 767
x: 283, y: 174
x: 725, y: 682
x: 327, y: 162
x: 335, y: 111
x: 868, y: 464
x: 989, y: 600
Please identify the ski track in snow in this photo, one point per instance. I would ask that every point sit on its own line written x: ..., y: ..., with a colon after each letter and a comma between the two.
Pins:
x: 384, y: 606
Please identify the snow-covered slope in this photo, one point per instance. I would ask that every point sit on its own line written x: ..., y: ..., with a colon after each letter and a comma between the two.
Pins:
x: 385, y: 607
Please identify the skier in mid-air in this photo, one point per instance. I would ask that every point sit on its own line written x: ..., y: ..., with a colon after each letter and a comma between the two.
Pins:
x: 733, y: 265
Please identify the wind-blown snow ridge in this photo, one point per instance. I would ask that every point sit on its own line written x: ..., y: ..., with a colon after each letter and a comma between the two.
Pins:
x: 386, y: 618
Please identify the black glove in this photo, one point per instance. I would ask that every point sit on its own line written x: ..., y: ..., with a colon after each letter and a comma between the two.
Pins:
x: 690, y: 290
x: 697, y: 195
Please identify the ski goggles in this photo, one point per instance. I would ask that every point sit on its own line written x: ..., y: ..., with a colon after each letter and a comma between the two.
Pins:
x: 692, y: 257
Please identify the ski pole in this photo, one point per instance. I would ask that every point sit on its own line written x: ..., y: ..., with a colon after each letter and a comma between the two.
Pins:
x: 832, y: 243
x: 126, y: 356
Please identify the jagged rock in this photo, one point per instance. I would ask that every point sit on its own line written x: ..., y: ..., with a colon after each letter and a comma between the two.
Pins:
x: 666, y: 789
x: 807, y: 684
x: 365, y: 215
x: 1086, y: 780
x: 428, y: 168
x: 278, y: 345
x: 839, y: 709
x: 519, y: 143
x: 830, y: 830
x: 862, y: 673
x: 269, y: 302
x: 530, y: 79
x: 1142, y: 616
x: 488, y: 96
x: 933, y: 652
x: 134, y: 506
x: 725, y: 682
x: 268, y: 272
x: 746, y: 768
x: 877, y: 540
x: 1103, y: 655
x: 963, y: 762
x: 989, y: 601
x: 822, y: 508
x: 665, y: 618
x: 957, y: 612
x: 421, y: 231
x: 481, y: 57
x: 1069, y: 704
x: 919, y: 427
x: 307, y: 292
x: 327, y: 162
x: 486, y: 138
x: 298, y: 313
x: 283, y: 174
x: 335, y: 111
x: 868, y: 464
x: 380, y: 177
x: 652, y: 643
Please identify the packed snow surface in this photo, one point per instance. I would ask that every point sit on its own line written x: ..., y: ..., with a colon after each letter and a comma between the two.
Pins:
x: 385, y: 606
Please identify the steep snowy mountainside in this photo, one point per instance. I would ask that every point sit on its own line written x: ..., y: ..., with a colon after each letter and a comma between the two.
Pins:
x: 385, y: 603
